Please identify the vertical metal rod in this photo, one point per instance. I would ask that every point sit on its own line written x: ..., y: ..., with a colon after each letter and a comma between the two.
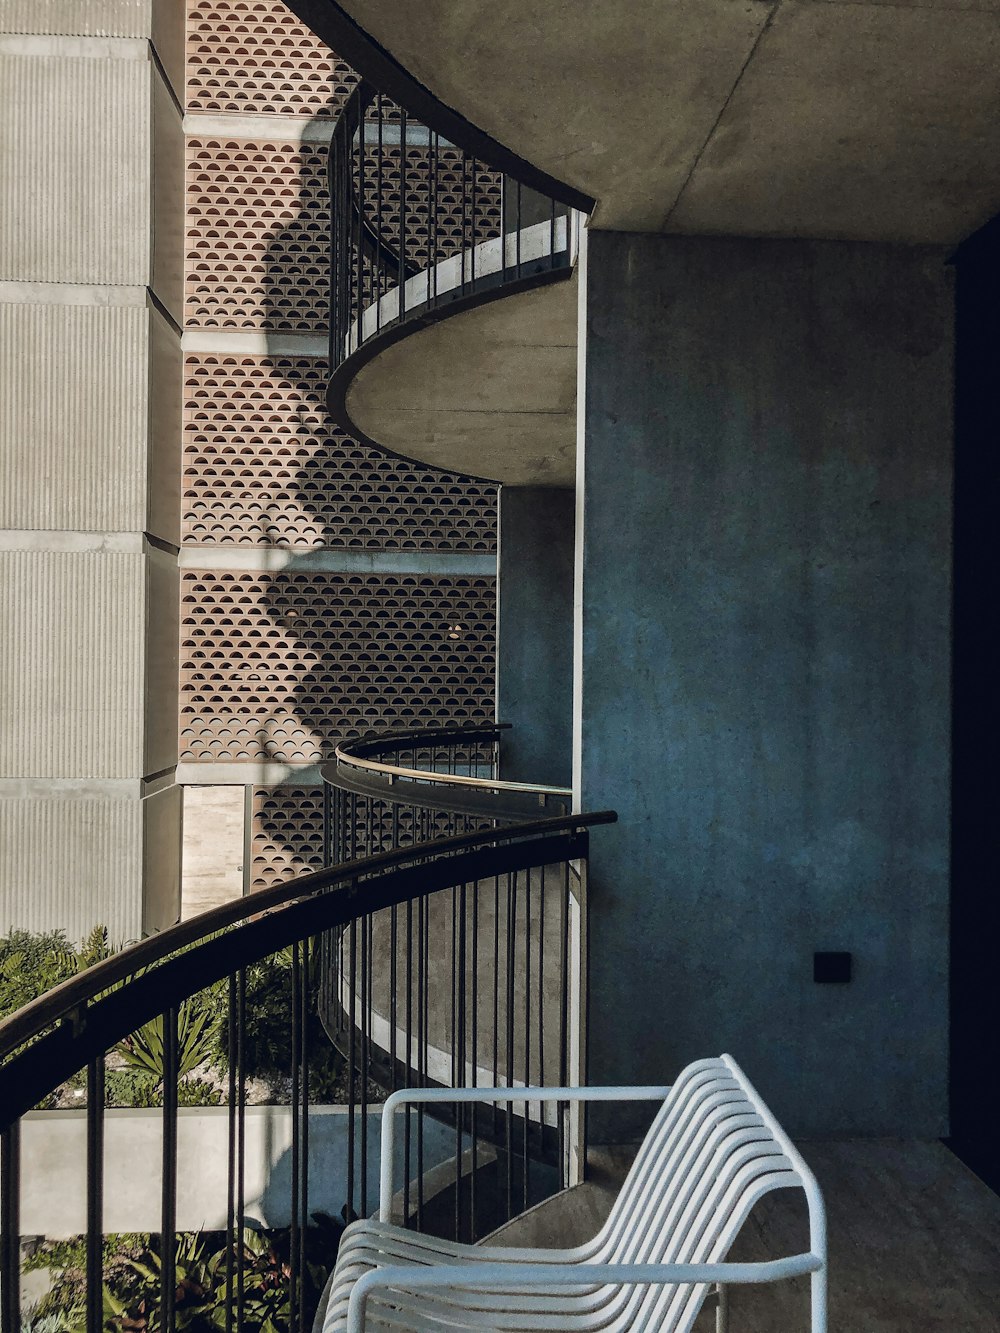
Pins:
x: 465, y: 220
x: 10, y: 1229
x: 409, y: 1056
x: 517, y: 234
x: 366, y: 928
x: 308, y: 957
x: 359, y: 246
x: 95, y: 1195
x: 168, y: 1210
x: 474, y: 1060
x: 509, y: 1025
x: 475, y: 229
x: 296, y: 1057
x: 527, y: 1033
x: 231, y: 1060
x: 435, y: 248
x: 421, y: 1049
x: 379, y: 175
x: 402, y: 213
x: 241, y: 1137
x: 564, y: 983
x: 352, y: 1029
x: 460, y: 1039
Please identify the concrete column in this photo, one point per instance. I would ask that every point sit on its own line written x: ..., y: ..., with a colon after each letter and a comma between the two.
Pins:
x: 763, y: 687
x: 535, y: 633
x: 91, y: 288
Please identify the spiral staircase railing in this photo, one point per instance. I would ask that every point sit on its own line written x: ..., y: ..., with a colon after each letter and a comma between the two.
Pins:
x: 207, y: 1226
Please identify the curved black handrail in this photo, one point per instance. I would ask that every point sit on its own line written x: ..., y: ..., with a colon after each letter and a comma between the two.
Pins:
x: 421, y: 230
x: 343, y: 35
x: 96, y: 1009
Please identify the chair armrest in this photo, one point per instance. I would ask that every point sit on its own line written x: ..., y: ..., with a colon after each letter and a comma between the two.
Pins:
x: 520, y: 1277
x: 416, y: 1096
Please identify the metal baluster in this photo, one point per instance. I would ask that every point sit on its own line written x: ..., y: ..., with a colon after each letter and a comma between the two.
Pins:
x: 509, y: 1024
x: 564, y: 927
x: 366, y: 928
x: 402, y: 214
x: 232, y: 1058
x: 10, y: 1229
x: 517, y: 233
x: 352, y: 1029
x: 435, y: 247
x: 168, y: 1210
x: 95, y: 1195
x: 475, y: 230
x: 308, y: 956
x: 241, y: 1137
x: 527, y: 1026
x: 379, y: 175
x: 296, y: 1056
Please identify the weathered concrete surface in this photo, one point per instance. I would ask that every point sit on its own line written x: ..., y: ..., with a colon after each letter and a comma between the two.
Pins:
x: 865, y: 120
x: 53, y: 1172
x: 535, y: 633
x: 491, y: 391
x: 764, y: 657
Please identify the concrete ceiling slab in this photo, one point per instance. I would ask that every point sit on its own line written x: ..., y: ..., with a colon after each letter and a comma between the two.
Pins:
x: 860, y: 119
x: 857, y: 122
x: 489, y: 391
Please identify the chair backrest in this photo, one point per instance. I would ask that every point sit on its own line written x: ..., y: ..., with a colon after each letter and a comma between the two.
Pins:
x: 713, y: 1150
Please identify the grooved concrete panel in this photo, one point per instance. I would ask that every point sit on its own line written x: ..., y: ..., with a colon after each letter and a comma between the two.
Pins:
x: 75, y: 137
x: 162, y: 626
x: 71, y: 863
x: 78, y: 18
x: 165, y: 416
x: 73, y: 403
x: 168, y: 200
x: 162, y: 814
x: 71, y: 671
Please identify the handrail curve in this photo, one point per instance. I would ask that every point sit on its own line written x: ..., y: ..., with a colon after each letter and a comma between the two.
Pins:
x: 359, y: 754
x: 65, y: 1000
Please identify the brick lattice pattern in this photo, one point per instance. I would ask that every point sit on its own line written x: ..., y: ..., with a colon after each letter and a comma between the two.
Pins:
x: 255, y: 57
x: 258, y: 226
x: 286, y: 837
x: 263, y: 465
x: 280, y: 667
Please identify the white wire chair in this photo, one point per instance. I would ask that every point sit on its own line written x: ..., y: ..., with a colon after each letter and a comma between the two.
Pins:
x: 713, y: 1151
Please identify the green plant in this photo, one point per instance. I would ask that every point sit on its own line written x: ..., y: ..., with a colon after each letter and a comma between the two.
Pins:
x: 32, y: 963
x: 144, y: 1048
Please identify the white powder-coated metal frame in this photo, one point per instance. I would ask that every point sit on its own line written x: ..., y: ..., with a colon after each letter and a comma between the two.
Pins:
x: 713, y: 1151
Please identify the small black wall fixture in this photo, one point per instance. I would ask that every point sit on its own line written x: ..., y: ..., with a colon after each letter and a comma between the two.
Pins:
x: 831, y: 967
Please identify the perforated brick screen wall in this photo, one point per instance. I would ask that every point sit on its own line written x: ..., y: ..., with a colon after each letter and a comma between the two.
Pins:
x: 281, y: 666
x: 258, y: 224
x: 286, y: 837
x: 255, y: 57
x: 263, y: 465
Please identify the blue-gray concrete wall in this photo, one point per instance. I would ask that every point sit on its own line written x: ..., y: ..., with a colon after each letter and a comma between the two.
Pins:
x: 535, y: 633
x: 763, y: 689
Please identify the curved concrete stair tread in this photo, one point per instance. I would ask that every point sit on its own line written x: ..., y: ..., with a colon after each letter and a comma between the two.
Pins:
x: 860, y: 120
x: 541, y: 1004
x: 488, y: 391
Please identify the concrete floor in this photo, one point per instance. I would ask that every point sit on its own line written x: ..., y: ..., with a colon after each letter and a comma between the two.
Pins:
x: 914, y: 1240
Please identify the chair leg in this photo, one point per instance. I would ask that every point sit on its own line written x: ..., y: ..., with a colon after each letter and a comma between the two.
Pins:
x: 722, y: 1309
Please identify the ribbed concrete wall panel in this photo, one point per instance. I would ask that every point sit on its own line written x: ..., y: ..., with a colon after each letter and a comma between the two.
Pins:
x: 71, y: 863
x: 94, y: 18
x: 73, y: 417
x: 75, y: 138
x: 162, y: 858
x: 71, y: 664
